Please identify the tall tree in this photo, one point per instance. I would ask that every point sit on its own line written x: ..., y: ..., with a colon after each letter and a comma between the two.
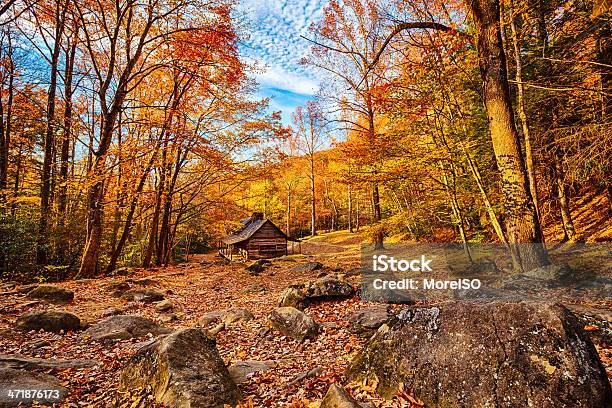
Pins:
x: 58, y: 10
x: 522, y: 223
x: 310, y: 125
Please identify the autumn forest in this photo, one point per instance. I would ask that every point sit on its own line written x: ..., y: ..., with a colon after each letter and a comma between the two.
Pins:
x: 134, y: 136
x: 131, y: 131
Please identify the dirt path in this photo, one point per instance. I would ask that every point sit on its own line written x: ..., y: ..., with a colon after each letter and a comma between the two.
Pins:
x: 194, y: 289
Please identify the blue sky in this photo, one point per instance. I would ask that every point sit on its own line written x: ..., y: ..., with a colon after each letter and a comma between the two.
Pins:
x: 274, y: 28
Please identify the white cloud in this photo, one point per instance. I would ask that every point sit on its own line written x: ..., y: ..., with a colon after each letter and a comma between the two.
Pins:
x: 274, y: 31
x: 276, y: 77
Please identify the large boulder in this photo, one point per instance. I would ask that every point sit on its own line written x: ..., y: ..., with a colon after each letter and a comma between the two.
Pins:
x: 337, y: 397
x: 51, y: 293
x: 122, y: 327
x: 48, y: 320
x: 293, y: 323
x: 241, y: 371
x: 328, y: 287
x: 41, y: 387
x: 487, y: 354
x: 182, y: 370
x: 367, y: 321
x: 143, y: 295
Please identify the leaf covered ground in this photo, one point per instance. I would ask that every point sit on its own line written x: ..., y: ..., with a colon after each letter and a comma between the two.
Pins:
x: 302, y: 372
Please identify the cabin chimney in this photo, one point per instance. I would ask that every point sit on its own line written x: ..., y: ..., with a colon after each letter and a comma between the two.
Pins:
x: 257, y: 216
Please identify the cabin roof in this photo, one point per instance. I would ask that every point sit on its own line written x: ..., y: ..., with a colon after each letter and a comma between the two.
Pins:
x: 252, y: 225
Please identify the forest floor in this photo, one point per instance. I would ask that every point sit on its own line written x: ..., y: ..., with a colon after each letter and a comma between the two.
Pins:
x: 203, y: 285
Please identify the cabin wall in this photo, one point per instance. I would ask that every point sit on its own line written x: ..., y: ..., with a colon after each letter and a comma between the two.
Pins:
x: 267, y: 242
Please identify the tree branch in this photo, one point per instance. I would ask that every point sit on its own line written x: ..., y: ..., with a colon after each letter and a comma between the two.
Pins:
x: 414, y: 25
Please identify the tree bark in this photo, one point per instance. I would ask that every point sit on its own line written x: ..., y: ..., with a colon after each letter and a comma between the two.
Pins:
x: 62, y: 200
x: 350, y: 208
x: 5, y: 124
x: 288, y: 216
x: 49, y: 142
x: 529, y: 160
x: 522, y: 224
x: 313, y: 204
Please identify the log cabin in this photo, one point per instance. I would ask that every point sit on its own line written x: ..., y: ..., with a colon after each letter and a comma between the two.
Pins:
x: 258, y: 239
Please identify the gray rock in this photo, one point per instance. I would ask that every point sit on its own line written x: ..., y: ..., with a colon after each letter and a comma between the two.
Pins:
x: 26, y: 288
x: 226, y: 316
x: 118, y: 288
x: 190, y: 359
x: 301, y: 295
x: 143, y: 295
x: 328, y: 287
x: 485, y: 354
x: 367, y: 321
x: 307, y: 267
x: 236, y: 314
x: 241, y: 371
x: 293, y: 323
x: 168, y: 318
x: 11, y: 379
x: 123, y: 271
x: 30, y: 363
x: 123, y: 327
x: 51, y: 293
x: 337, y: 397
x: 164, y: 305
x: 257, y: 267
x: 49, y: 320
x: 390, y: 296
x: 293, y: 296
x: 143, y: 281
x: 113, y: 311
x: 210, y: 317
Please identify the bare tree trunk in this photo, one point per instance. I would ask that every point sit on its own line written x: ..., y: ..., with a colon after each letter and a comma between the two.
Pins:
x: 529, y: 161
x: 65, y: 150
x: 456, y: 210
x: 350, y: 208
x: 288, y: 220
x: 522, y: 223
x: 45, y: 189
x: 146, y: 262
x: 378, y: 241
x: 563, y: 196
x: 485, y: 199
x: 18, y: 166
x: 313, y: 210
x: 5, y: 124
x: 357, y: 223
